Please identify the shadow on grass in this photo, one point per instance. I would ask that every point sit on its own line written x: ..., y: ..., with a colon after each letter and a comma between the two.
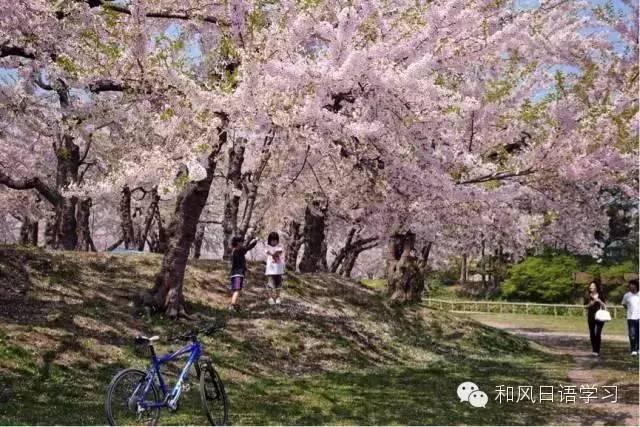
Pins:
x: 413, y: 396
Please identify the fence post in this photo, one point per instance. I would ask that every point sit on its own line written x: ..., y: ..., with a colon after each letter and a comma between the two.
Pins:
x: 615, y: 312
x: 526, y: 308
x: 555, y: 310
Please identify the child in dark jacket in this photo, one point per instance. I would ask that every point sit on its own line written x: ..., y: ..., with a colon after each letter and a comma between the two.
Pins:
x: 238, y: 269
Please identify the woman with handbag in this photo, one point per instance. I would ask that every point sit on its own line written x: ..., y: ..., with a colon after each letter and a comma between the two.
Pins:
x: 594, y: 303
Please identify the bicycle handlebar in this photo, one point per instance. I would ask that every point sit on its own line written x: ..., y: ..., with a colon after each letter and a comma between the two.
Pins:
x: 207, y: 330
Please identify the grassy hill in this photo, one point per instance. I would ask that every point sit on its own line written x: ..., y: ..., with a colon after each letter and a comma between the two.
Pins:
x: 334, y: 353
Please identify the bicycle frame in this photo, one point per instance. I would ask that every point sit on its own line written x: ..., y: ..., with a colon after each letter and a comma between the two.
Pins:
x: 193, y: 349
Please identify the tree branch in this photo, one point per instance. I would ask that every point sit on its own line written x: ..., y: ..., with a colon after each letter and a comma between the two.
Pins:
x: 10, y: 50
x: 87, y: 166
x: 86, y: 151
x: 497, y: 176
x: 141, y: 189
x: 208, y: 221
x: 106, y: 85
x: 295, y: 178
x: 114, y: 245
x: 31, y: 183
x: 183, y: 15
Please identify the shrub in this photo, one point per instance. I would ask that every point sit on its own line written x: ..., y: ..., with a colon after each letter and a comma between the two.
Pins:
x: 547, y: 278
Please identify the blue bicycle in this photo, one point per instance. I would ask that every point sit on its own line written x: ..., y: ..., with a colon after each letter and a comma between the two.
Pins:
x: 134, y: 397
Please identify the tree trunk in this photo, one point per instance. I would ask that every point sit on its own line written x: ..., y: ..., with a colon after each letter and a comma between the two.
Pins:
x: 463, y: 270
x: 232, y: 195
x: 67, y: 237
x: 349, y: 262
x: 162, y: 233
x: 342, y: 253
x: 350, y: 259
x: 405, y: 278
x: 314, y: 254
x: 29, y: 232
x: 158, y: 240
x: 167, y: 295
x: 293, y: 246
x: 323, y: 257
x: 199, y: 239
x: 482, y: 266
x: 50, y: 227
x: 346, y: 257
x: 126, y: 223
x: 68, y: 162
x: 167, y: 292
x: 85, y: 242
x: 152, y: 209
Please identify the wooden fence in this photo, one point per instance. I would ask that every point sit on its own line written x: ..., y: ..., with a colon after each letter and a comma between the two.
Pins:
x: 617, y: 311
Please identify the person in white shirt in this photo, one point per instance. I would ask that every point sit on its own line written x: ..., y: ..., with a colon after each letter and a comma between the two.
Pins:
x: 631, y: 301
x: 275, y: 267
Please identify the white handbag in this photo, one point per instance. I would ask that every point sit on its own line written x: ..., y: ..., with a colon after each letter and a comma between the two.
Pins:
x: 603, y: 315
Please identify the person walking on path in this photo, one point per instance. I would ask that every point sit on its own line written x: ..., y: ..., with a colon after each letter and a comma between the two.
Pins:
x: 238, y: 269
x: 631, y: 301
x: 594, y: 301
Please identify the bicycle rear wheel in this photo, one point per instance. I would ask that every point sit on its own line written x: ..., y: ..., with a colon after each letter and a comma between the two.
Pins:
x: 123, y: 394
x: 214, y: 398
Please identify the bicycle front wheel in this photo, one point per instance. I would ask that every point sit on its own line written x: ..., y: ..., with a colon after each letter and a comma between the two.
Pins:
x: 124, y: 393
x: 214, y: 398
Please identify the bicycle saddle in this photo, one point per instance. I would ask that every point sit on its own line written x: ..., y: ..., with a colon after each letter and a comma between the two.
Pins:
x: 146, y: 340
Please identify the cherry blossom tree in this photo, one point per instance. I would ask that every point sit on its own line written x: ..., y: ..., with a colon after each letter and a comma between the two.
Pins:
x: 433, y: 128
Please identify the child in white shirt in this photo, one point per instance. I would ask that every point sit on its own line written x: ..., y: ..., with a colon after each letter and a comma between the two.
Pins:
x: 275, y: 268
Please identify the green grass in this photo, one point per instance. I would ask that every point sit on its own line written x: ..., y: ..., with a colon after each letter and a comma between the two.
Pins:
x: 571, y: 324
x: 402, y: 395
x: 395, y: 394
x: 334, y: 353
x: 377, y: 284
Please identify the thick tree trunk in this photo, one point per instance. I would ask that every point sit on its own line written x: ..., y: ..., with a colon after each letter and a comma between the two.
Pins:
x: 232, y: 195
x: 68, y: 162
x: 405, y: 278
x: 293, y: 246
x: 199, y: 239
x: 126, y: 223
x: 314, y: 254
x: 85, y: 242
x: 67, y: 237
x: 29, y: 232
x: 166, y: 294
